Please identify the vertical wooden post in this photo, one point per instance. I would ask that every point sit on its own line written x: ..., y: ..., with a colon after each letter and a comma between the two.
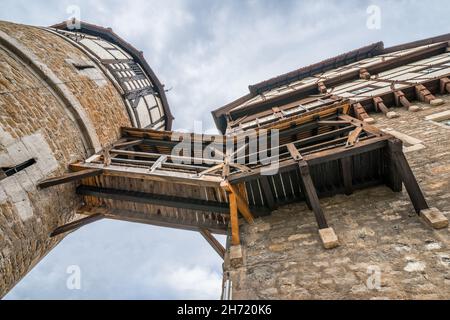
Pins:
x: 311, y: 194
x: 407, y: 176
x: 235, y: 240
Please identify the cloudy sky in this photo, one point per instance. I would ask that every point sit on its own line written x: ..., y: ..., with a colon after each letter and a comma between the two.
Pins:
x: 207, y: 52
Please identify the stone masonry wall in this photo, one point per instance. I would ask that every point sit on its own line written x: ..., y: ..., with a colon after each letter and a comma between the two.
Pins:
x: 381, y: 237
x: 35, y: 123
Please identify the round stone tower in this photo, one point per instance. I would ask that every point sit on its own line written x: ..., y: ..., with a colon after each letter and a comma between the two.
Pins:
x: 64, y: 94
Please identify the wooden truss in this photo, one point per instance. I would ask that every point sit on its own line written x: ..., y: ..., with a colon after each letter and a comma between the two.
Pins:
x: 321, y: 153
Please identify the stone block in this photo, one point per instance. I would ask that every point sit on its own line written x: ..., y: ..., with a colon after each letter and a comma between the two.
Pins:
x: 329, y: 238
x: 236, y: 256
x: 392, y: 115
x: 414, y: 108
x: 369, y: 120
x: 434, y: 218
x: 436, y: 102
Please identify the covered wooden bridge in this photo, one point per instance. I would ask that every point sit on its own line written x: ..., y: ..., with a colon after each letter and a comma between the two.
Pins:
x: 146, y: 177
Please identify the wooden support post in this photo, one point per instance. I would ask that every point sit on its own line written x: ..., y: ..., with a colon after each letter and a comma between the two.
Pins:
x: 361, y: 114
x: 346, y: 169
x: 76, y: 224
x: 235, y: 240
x: 425, y: 96
x: 311, y: 193
x: 444, y: 85
x: 70, y: 177
x: 407, y: 176
x: 242, y: 204
x: 216, y: 245
x: 380, y: 106
x: 310, y: 190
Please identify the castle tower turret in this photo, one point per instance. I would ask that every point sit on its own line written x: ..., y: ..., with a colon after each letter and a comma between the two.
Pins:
x: 63, y: 96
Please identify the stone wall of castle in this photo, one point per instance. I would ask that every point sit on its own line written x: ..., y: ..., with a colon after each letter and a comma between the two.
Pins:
x: 386, y: 250
x: 55, y: 113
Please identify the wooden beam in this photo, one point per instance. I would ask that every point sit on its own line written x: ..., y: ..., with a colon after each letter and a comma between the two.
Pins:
x: 134, y: 172
x: 128, y: 144
x: 216, y: 245
x: 314, y: 158
x: 334, y: 123
x: 295, y: 154
x: 235, y: 240
x: 158, y: 164
x: 401, y: 100
x: 158, y: 220
x: 241, y: 203
x: 423, y: 94
x: 70, y: 177
x: 407, y: 176
x: 154, y: 199
x: 76, y: 224
x: 309, y: 188
x: 311, y: 193
x: 353, y: 137
x: 361, y: 113
x: 380, y: 106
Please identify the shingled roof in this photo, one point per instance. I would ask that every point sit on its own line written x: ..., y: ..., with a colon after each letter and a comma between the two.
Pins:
x: 344, y: 59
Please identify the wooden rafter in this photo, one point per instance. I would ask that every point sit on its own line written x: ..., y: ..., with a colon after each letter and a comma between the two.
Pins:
x: 76, y: 224
x: 70, y: 177
x: 216, y: 245
x: 214, y: 226
x: 407, y: 176
x: 155, y: 199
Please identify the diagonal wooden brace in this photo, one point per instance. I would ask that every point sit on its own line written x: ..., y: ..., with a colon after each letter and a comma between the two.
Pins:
x: 241, y: 203
x: 310, y: 190
x: 406, y: 175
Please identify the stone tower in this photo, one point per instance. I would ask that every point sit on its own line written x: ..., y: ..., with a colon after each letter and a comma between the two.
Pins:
x: 378, y: 247
x: 64, y: 95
